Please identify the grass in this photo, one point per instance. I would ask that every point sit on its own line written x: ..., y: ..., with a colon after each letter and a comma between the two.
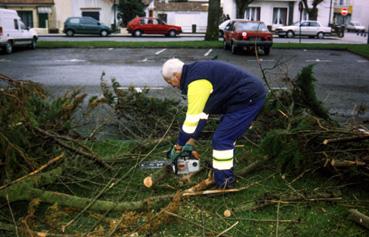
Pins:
x: 360, y: 49
x: 200, y: 214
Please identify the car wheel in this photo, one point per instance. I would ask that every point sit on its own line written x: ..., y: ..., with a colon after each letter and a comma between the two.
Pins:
x: 33, y: 43
x: 266, y: 50
x: 103, y: 33
x: 172, y: 33
x: 290, y: 34
x: 225, y: 45
x: 320, y: 35
x: 8, y: 47
x: 69, y: 33
x: 137, y: 33
x: 234, y: 49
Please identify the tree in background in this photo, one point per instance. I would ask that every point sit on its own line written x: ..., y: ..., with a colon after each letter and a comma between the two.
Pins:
x: 313, y: 10
x: 129, y: 9
x: 214, y: 13
x: 241, y: 7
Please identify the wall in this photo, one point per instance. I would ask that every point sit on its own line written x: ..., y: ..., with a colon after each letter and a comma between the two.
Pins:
x: 360, y: 12
x: 266, y: 14
x: 187, y: 19
x: 68, y: 8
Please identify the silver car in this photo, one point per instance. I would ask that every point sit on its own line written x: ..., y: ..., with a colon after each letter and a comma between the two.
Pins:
x: 307, y: 28
x: 355, y: 27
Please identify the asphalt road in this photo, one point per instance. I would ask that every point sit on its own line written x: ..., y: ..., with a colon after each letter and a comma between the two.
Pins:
x: 342, y: 77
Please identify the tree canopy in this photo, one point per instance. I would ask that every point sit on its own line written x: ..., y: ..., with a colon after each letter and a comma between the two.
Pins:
x: 129, y: 9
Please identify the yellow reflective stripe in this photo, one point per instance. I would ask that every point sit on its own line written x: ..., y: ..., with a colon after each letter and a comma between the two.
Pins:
x: 223, y: 154
x: 223, y: 159
x: 192, y: 118
x: 188, y: 129
x: 223, y: 165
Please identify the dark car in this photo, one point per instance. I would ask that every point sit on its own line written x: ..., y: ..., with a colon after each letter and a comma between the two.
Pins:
x: 242, y: 34
x: 85, y: 25
x: 151, y: 25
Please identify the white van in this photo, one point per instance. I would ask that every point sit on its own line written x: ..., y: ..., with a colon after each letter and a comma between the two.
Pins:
x: 14, y: 33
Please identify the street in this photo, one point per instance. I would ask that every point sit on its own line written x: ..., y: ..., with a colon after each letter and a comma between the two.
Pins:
x: 342, y: 77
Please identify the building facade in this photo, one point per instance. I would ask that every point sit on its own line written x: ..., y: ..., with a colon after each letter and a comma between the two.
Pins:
x: 39, y: 14
x: 49, y: 15
x: 357, y: 11
x: 104, y: 11
x: 191, y: 15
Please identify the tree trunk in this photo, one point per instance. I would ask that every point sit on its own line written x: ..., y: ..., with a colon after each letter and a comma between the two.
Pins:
x: 313, y: 14
x: 241, y: 7
x: 212, y: 31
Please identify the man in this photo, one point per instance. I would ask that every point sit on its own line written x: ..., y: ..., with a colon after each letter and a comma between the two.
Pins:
x: 215, y: 87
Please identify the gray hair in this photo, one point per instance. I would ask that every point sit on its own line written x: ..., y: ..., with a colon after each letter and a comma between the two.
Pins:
x: 170, y: 67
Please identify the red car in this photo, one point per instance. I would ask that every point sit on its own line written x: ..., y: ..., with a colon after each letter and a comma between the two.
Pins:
x: 150, y: 25
x: 243, y: 34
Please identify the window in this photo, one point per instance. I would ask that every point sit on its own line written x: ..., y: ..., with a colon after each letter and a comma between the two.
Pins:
x: 314, y: 24
x: 163, y: 16
x: 88, y: 21
x: 250, y: 26
x: 74, y: 21
x: 305, y: 24
x: 93, y: 14
x: 26, y: 17
x: 22, y: 26
x: 280, y: 16
x: 43, y: 19
x: 16, y: 26
x: 252, y: 14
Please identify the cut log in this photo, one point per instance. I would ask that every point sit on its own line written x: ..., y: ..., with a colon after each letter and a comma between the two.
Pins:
x: 346, y: 139
x: 359, y: 218
x: 346, y: 163
x: 157, y: 176
x: 252, y: 167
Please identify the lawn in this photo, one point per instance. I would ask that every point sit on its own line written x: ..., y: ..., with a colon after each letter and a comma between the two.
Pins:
x: 361, y: 49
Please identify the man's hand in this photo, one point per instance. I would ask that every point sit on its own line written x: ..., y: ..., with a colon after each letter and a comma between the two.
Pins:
x: 174, y: 152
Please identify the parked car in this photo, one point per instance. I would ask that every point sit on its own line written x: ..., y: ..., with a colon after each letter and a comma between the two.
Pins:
x: 150, y: 25
x: 85, y: 25
x: 308, y: 28
x: 355, y: 27
x: 14, y: 33
x: 222, y: 26
x: 241, y: 34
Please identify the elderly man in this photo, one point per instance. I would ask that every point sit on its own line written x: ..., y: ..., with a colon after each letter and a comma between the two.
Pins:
x: 215, y: 87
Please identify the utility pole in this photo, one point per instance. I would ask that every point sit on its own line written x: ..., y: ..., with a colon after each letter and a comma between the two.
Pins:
x: 115, y: 15
x: 301, y: 8
x: 330, y: 13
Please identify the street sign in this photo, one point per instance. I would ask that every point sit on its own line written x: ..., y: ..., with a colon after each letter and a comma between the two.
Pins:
x: 344, y: 11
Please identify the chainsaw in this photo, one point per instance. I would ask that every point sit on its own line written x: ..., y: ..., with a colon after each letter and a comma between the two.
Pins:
x: 185, y: 163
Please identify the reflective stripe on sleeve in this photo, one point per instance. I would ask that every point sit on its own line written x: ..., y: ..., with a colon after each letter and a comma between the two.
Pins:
x: 191, y: 122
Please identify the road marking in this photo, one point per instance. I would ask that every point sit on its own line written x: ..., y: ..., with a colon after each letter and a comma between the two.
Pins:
x: 74, y: 60
x: 139, y: 89
x: 144, y: 60
x: 110, y: 49
x: 261, y: 60
x: 207, y: 53
x: 318, y: 60
x: 3, y: 60
x: 160, y: 51
x: 362, y: 61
